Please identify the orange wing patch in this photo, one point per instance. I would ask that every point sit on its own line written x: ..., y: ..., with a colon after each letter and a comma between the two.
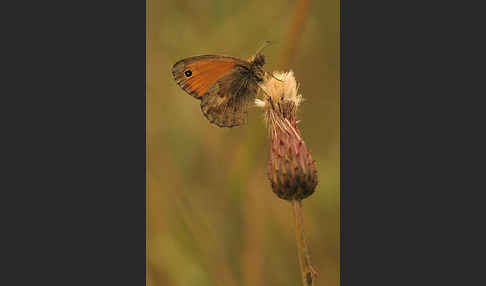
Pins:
x: 198, y: 76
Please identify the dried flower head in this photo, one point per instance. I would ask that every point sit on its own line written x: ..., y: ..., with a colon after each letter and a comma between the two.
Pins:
x: 291, y: 170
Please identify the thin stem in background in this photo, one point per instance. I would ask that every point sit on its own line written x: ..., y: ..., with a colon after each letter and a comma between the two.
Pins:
x: 254, y: 228
x: 295, y: 32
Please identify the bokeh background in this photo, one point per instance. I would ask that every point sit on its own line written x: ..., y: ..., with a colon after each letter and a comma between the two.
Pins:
x: 212, y: 218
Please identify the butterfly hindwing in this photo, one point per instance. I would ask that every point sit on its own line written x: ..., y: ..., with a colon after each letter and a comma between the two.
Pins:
x: 226, y: 102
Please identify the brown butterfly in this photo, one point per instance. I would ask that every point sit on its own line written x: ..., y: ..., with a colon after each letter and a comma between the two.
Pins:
x: 225, y: 85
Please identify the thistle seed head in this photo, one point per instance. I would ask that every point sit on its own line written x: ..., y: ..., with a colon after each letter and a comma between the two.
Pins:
x: 291, y: 169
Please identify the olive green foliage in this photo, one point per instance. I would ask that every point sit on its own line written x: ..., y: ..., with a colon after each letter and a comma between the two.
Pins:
x: 212, y: 218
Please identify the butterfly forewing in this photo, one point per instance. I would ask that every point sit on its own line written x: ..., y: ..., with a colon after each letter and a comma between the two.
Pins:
x: 195, y: 75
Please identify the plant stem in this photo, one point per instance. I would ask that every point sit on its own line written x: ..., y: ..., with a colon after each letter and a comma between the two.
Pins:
x: 308, y: 272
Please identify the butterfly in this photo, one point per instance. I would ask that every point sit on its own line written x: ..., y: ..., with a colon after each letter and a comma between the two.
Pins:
x: 226, y: 86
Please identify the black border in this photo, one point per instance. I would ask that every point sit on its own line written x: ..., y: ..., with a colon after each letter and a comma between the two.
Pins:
x: 406, y: 205
x: 76, y: 143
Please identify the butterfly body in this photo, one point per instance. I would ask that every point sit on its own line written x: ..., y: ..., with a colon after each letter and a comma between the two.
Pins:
x: 225, y: 85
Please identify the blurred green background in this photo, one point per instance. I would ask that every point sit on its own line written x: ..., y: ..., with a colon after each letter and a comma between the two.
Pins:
x: 212, y: 218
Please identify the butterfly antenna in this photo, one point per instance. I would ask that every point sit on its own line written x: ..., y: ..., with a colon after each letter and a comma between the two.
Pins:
x: 276, y: 78
x: 265, y: 44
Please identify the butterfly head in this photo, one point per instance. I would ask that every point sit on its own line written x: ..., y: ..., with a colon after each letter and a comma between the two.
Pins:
x: 257, y: 67
x: 259, y: 60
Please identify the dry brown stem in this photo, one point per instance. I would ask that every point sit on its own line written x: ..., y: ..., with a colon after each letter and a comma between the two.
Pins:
x: 307, y: 271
